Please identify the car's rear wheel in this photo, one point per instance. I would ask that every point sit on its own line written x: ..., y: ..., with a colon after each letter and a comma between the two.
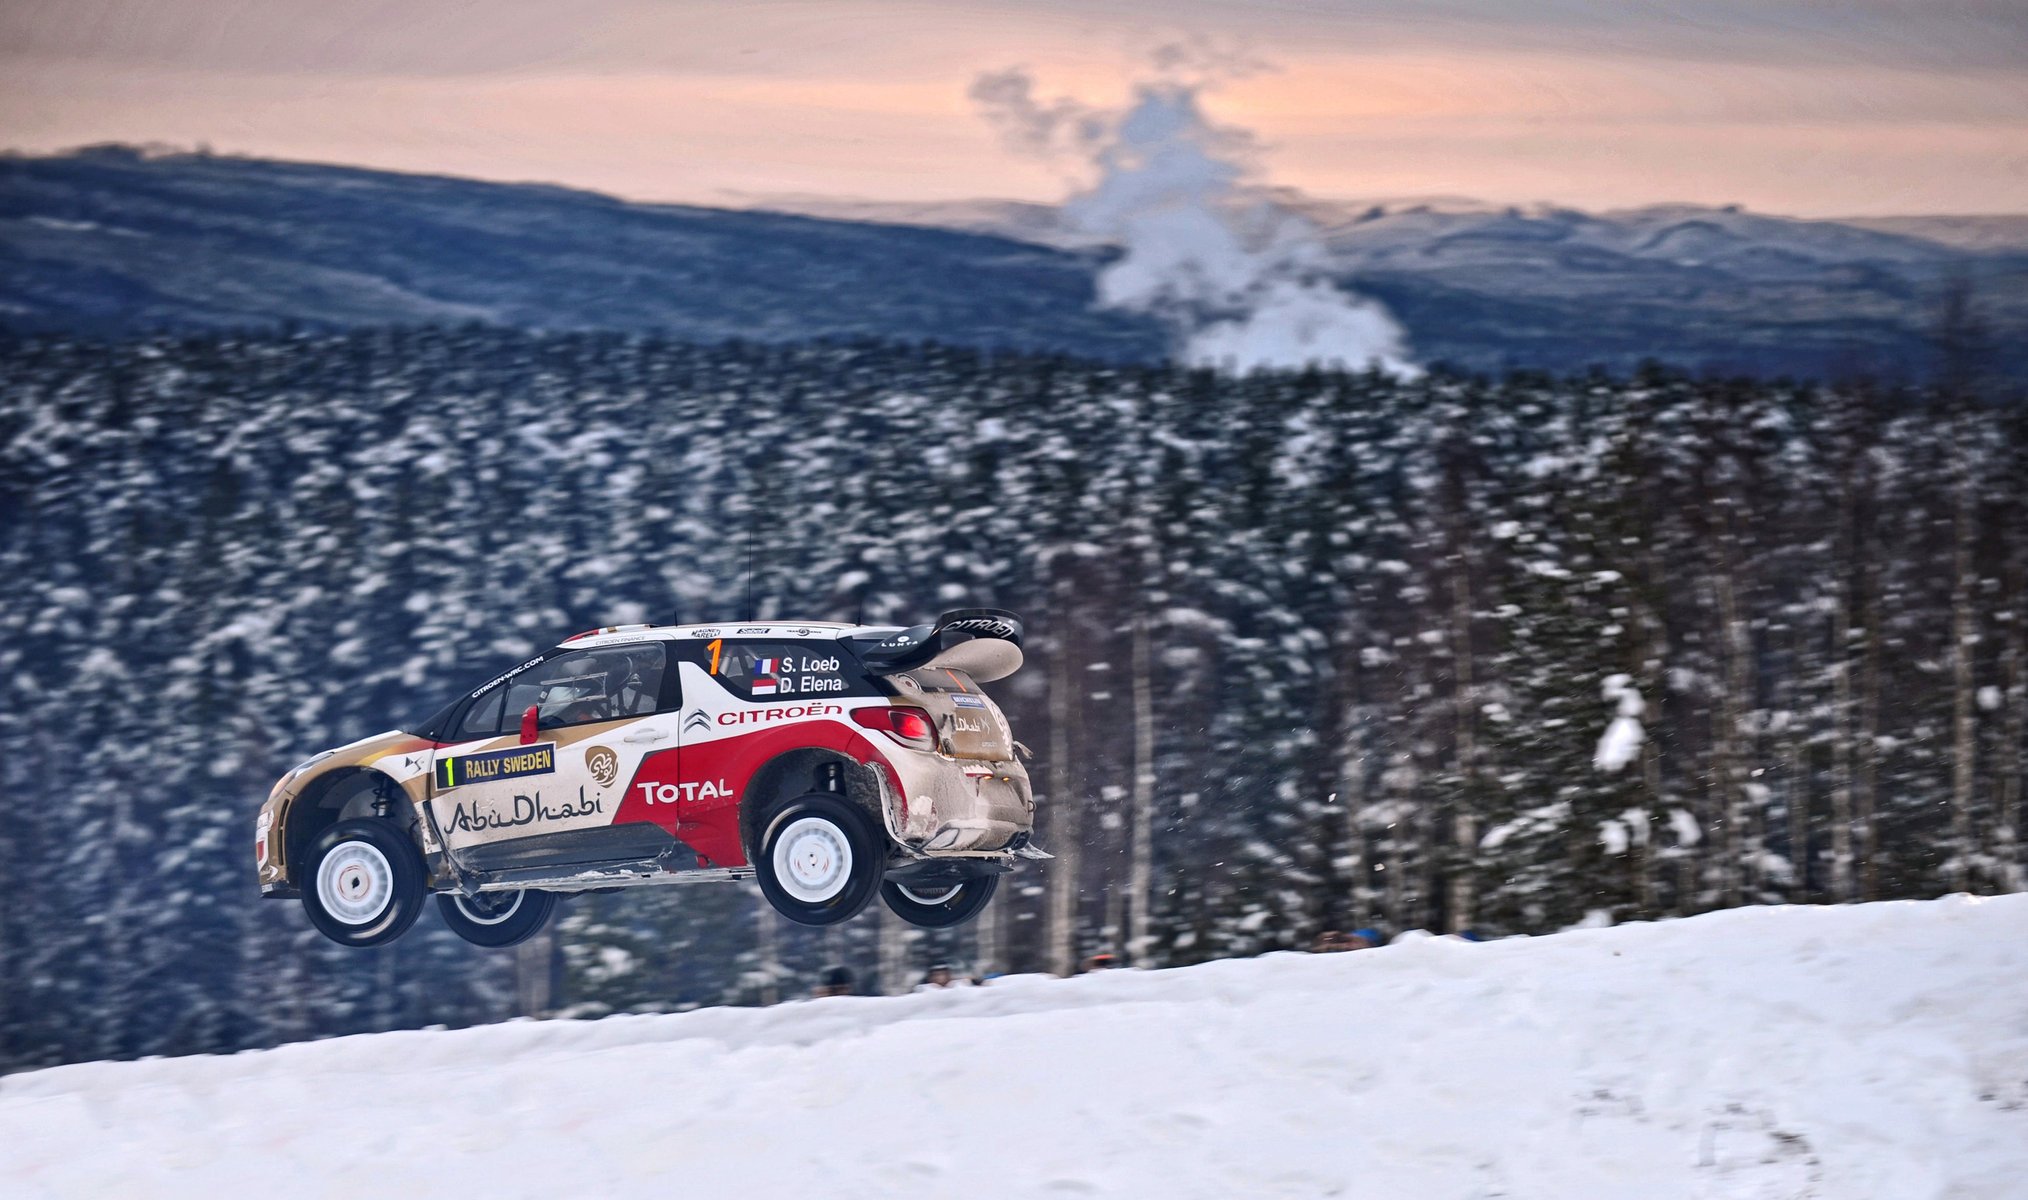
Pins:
x: 496, y: 919
x: 363, y: 882
x: 820, y: 861
x: 940, y: 905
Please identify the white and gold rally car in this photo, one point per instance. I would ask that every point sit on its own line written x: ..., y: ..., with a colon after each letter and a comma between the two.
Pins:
x: 828, y: 762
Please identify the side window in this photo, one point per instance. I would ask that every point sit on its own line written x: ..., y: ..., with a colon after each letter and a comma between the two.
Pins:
x: 482, y: 717
x: 607, y: 684
x: 764, y: 671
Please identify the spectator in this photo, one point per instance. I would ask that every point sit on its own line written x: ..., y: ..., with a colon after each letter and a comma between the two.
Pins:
x: 1102, y: 961
x: 838, y: 981
x: 1366, y: 939
x: 1332, y: 941
x: 939, y: 977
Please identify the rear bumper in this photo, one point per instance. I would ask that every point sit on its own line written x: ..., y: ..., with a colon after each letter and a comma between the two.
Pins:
x: 959, y: 806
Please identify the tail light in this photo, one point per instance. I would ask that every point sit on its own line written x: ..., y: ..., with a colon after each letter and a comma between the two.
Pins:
x: 909, y: 726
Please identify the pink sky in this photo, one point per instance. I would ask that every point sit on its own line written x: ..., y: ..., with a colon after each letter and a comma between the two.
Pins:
x: 1860, y: 107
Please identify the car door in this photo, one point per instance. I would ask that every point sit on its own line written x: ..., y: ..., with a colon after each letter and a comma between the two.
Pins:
x: 599, y: 713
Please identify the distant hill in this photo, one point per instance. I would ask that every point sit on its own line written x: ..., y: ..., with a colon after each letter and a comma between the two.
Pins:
x: 1490, y: 286
x: 115, y: 239
x: 112, y: 240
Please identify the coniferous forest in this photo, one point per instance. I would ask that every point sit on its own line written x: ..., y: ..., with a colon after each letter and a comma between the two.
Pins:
x: 1306, y: 651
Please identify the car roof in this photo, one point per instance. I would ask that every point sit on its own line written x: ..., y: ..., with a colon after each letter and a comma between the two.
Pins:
x: 816, y: 630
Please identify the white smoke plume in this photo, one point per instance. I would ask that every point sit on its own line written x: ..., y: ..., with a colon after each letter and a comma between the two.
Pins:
x: 1245, y: 286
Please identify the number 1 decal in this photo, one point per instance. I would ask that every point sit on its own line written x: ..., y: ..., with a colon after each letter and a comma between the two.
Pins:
x: 716, y: 645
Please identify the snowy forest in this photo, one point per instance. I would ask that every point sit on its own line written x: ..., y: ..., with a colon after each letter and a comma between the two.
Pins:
x: 1306, y: 651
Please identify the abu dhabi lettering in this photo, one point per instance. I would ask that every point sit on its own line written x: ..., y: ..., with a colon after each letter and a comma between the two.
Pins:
x: 522, y: 810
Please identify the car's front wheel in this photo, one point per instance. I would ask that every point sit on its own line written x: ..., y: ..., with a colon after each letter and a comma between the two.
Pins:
x: 940, y: 905
x: 496, y: 919
x: 364, y: 882
x: 820, y: 862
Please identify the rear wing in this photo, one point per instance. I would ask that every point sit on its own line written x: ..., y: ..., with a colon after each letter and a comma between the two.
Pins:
x: 916, y: 646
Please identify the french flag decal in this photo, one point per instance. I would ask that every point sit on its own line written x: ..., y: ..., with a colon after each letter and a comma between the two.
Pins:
x: 764, y: 677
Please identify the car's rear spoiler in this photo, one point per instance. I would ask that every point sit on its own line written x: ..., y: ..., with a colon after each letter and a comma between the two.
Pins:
x: 916, y: 645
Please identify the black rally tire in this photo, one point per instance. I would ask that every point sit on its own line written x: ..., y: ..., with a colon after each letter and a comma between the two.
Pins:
x: 820, y: 859
x: 496, y: 919
x: 363, y: 882
x: 940, y: 905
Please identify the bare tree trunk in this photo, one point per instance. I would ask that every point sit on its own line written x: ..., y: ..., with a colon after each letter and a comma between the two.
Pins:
x: 988, y: 934
x: 1868, y: 782
x: 1795, y: 777
x: 1464, y: 712
x: 765, y: 949
x: 1841, y: 727
x: 1964, y: 744
x: 1725, y: 731
x: 1352, y: 806
x: 2007, y: 802
x: 1065, y: 825
x: 533, y: 961
x: 1844, y: 763
x: 1140, y: 886
x: 894, y: 939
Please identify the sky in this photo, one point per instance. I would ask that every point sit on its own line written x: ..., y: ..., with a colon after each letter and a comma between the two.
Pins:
x: 1861, y: 107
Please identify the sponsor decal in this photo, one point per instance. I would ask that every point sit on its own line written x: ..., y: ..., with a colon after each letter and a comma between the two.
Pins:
x: 792, y: 712
x: 967, y: 725
x: 802, y: 632
x: 523, y: 810
x: 807, y: 674
x: 488, y: 685
x: 687, y: 793
x: 696, y: 720
x: 603, y: 764
x: 984, y: 626
x: 704, y: 633
x: 496, y: 764
x: 967, y: 700
x: 750, y: 630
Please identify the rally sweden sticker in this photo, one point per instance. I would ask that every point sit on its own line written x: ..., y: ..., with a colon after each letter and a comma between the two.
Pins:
x: 496, y: 764
x: 967, y: 700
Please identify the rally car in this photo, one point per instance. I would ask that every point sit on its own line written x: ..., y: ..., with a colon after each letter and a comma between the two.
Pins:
x: 827, y: 762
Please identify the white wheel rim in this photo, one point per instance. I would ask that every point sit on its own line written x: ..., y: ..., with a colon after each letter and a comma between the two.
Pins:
x: 929, y: 898
x: 813, y: 860
x: 355, y: 883
x: 479, y: 917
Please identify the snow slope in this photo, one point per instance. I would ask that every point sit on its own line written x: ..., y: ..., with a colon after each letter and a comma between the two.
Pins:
x: 1875, y: 1051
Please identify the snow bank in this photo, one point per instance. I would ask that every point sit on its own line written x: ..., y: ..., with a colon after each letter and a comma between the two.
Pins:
x: 1875, y: 1051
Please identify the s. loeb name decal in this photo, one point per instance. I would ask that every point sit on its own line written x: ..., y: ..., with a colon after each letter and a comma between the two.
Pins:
x: 496, y: 764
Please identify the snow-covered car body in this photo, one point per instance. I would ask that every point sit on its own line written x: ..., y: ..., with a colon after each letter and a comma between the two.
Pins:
x: 649, y: 754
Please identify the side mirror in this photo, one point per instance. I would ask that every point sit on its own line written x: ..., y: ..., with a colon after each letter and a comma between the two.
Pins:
x: 528, y: 725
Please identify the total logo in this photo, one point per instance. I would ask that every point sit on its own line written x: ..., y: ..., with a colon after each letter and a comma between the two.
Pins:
x: 687, y: 793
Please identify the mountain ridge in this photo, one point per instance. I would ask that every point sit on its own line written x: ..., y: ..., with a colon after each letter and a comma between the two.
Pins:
x: 115, y: 240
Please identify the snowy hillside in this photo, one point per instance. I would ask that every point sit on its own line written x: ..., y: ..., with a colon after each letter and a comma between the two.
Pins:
x: 118, y: 240
x: 1877, y: 1051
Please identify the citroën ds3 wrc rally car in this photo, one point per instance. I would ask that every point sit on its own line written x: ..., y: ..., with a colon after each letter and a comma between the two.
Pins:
x: 828, y: 762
